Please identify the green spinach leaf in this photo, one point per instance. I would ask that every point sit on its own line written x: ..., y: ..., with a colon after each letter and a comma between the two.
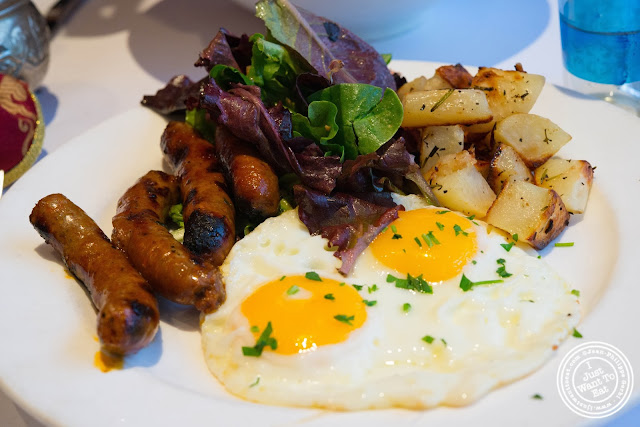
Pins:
x: 367, y: 117
x: 320, y: 126
x: 274, y: 70
x: 225, y: 75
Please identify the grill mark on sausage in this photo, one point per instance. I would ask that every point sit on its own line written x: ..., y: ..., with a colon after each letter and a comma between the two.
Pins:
x: 205, y: 231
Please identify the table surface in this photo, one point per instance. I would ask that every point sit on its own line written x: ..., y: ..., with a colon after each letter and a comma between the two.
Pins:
x: 112, y: 51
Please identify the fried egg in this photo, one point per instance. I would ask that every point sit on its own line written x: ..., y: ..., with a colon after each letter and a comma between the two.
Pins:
x: 438, y: 310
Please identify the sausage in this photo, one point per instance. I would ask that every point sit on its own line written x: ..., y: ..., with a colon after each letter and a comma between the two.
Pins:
x: 127, y: 309
x: 172, y: 271
x: 254, y: 183
x: 209, y: 215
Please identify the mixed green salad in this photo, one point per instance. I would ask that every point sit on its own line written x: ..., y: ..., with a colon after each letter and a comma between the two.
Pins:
x: 320, y: 106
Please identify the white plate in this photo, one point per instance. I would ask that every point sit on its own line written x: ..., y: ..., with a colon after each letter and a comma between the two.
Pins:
x: 47, y: 325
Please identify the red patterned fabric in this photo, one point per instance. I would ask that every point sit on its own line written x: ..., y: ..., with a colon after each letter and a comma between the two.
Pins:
x: 18, y: 119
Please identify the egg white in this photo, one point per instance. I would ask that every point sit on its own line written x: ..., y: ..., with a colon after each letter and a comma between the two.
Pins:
x: 488, y: 336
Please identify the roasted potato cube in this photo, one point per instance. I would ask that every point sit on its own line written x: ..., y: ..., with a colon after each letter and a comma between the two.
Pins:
x: 416, y: 84
x: 507, y: 165
x: 536, y: 139
x: 459, y: 186
x: 438, y: 141
x: 422, y: 83
x: 537, y: 215
x: 508, y: 92
x: 571, y: 179
x: 445, y: 107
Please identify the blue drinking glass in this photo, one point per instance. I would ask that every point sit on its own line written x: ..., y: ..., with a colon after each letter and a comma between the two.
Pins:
x: 601, y: 41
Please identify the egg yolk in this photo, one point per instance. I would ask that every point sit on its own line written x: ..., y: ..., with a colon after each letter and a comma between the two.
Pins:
x: 434, y: 242
x: 304, y: 313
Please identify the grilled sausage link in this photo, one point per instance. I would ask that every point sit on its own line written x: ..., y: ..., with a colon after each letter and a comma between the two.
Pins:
x: 209, y: 215
x: 253, y: 181
x: 170, y: 268
x: 127, y: 310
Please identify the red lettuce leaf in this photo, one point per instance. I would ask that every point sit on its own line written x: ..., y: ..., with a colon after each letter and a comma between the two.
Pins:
x: 318, y: 171
x: 226, y: 49
x: 242, y: 111
x: 391, y: 165
x: 173, y: 96
x: 349, y: 222
x: 332, y: 50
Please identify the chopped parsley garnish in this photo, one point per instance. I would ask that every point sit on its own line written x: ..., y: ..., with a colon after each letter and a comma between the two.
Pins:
x: 357, y: 287
x: 536, y: 396
x: 341, y: 284
x: 293, y: 290
x: 282, y: 278
x: 440, y: 226
x: 369, y: 303
x: 395, y: 233
x: 255, y: 383
x: 417, y: 241
x: 255, y: 329
x: 329, y: 296
x: 344, y: 318
x: 575, y: 292
x: 406, y: 307
x: 576, y: 333
x: 372, y: 288
x: 502, y: 272
x: 442, y: 212
x: 507, y: 246
x: 312, y: 275
x: 474, y: 262
x: 563, y: 245
x: 417, y: 284
x: 264, y: 340
x: 430, y: 239
x: 443, y: 341
x: 459, y: 230
x: 466, y: 284
x: 428, y: 339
